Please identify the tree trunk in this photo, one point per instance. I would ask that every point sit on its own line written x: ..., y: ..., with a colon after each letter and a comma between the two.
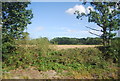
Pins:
x: 104, y: 36
x: 109, y: 37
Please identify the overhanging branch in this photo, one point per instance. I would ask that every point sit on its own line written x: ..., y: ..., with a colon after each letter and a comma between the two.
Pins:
x: 92, y: 28
x: 94, y: 34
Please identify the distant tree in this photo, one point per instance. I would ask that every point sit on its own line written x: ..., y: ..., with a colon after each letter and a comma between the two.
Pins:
x: 15, y: 17
x: 93, y: 41
x: 107, y: 16
x: 75, y: 41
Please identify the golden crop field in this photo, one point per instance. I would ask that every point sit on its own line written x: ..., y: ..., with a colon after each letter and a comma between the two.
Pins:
x: 58, y: 47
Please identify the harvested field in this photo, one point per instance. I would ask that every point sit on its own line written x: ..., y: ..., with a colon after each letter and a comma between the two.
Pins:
x: 72, y: 46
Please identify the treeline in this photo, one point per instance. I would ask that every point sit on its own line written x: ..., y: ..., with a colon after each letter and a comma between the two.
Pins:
x: 76, y: 41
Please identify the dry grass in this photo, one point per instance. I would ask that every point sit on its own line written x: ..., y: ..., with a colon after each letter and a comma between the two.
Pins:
x: 58, y: 47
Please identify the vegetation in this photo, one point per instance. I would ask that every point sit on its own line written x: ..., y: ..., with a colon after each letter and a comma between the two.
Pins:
x: 107, y: 16
x: 76, y: 41
x: 15, y: 18
x: 78, y: 62
x: 19, y: 51
x: 112, y: 52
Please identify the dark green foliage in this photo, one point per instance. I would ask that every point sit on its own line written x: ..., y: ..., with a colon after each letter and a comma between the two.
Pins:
x: 112, y: 52
x: 75, y: 41
x: 107, y: 16
x: 26, y: 55
x: 15, y: 18
x: 64, y: 40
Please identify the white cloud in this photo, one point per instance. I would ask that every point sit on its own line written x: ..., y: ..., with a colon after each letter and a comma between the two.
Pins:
x: 70, y: 11
x: 79, y: 8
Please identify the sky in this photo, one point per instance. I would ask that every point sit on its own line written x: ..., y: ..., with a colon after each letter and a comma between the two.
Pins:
x: 57, y: 0
x: 56, y: 19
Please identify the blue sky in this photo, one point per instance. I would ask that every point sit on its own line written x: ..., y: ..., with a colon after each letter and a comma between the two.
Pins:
x: 56, y: 0
x: 55, y: 19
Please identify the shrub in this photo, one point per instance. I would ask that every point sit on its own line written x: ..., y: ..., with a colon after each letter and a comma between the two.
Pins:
x: 111, y: 52
x: 26, y: 55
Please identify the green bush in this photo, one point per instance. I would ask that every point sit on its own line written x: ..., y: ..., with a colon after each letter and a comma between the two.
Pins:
x: 111, y: 53
x: 26, y: 55
x: 114, y: 50
x: 7, y: 49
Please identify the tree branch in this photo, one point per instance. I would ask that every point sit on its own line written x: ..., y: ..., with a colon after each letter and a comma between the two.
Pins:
x: 92, y: 28
x: 94, y: 34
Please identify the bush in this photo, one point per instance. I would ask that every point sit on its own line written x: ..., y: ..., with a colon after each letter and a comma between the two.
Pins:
x: 26, y: 55
x: 111, y: 52
x: 114, y: 50
x: 76, y: 59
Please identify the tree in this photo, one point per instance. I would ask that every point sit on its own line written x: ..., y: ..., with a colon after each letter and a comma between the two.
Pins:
x: 25, y: 36
x: 76, y: 41
x: 107, y: 16
x: 15, y: 17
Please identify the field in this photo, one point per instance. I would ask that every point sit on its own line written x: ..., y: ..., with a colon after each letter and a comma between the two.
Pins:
x: 59, y: 47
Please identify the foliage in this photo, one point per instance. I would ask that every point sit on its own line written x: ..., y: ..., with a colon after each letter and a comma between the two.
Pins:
x: 38, y: 54
x: 24, y: 40
x: 107, y: 16
x: 64, y: 40
x: 27, y: 55
x: 15, y: 17
x: 75, y: 41
x: 25, y: 36
x: 20, y: 51
x: 42, y: 44
x: 112, y: 52
x: 73, y: 60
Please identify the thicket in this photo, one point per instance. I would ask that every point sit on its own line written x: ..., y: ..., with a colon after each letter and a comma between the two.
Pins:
x: 38, y: 54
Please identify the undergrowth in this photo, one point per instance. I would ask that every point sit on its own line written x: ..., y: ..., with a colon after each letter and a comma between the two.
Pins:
x: 86, y: 62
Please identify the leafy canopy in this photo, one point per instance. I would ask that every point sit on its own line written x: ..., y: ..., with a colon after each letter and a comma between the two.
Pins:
x: 15, y: 18
x: 107, y: 16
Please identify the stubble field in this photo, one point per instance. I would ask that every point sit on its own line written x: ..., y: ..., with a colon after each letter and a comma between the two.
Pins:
x: 59, y: 47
